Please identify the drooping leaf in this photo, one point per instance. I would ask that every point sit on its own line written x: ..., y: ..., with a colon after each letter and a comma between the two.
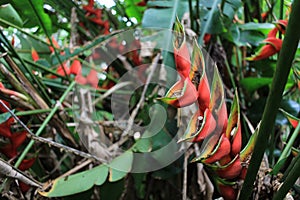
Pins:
x: 163, y: 15
x: 251, y: 84
x: 9, y: 14
x: 29, y: 17
x: 120, y: 166
x: 77, y: 183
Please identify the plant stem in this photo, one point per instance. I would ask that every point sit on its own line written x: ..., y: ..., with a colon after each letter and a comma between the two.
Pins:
x: 44, y: 124
x: 49, y: 38
x: 283, y: 67
x: 287, y: 149
x: 289, y: 181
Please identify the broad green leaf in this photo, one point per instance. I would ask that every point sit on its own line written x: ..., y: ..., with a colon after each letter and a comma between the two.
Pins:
x: 251, y: 37
x: 77, y: 183
x: 30, y: 17
x: 120, y: 166
x: 132, y: 10
x: 251, y: 83
x: 9, y: 14
x: 143, y: 145
x: 164, y: 16
x: 230, y: 8
x: 257, y: 26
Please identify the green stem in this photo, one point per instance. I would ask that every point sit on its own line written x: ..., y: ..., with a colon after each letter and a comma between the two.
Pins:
x: 44, y: 124
x: 191, y: 14
x: 23, y: 31
x: 289, y: 181
x: 49, y: 38
x: 283, y: 67
x: 28, y: 69
x: 37, y: 111
x: 287, y: 150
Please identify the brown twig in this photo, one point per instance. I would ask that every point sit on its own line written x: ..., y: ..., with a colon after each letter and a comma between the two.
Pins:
x: 142, y: 99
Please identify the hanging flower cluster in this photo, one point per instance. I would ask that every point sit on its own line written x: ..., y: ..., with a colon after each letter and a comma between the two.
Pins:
x: 210, y: 126
x: 75, y: 68
x: 95, y: 15
x: 272, y: 44
x: 13, y: 140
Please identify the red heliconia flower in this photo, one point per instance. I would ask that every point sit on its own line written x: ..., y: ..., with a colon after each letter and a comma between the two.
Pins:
x: 206, y: 38
x: 221, y: 149
x: 264, y: 15
x: 12, y: 41
x: 142, y: 3
x: 181, y: 94
x: 228, y: 192
x: 272, y: 46
x: 75, y: 68
x: 92, y: 78
x: 2, y: 109
x: 231, y: 170
x: 60, y: 70
x: 26, y: 164
x: 273, y: 33
x: 281, y: 25
x: 34, y: 55
x: 182, y: 60
x: 90, y: 7
x: 55, y: 44
x: 200, y: 126
x: 9, y: 151
x: 181, y: 51
x: 18, y: 138
x: 80, y: 79
x: 5, y: 128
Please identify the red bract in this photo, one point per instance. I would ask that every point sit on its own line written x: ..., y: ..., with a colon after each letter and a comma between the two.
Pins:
x: 55, y: 44
x: 281, y: 25
x: 5, y: 127
x: 182, y: 93
x: 75, y: 68
x: 34, y: 55
x: 231, y: 170
x: 80, y: 79
x: 63, y: 70
x: 222, y: 149
x: 206, y: 38
x: 92, y: 78
x: 181, y: 52
x: 26, y: 164
x: 273, y: 46
x: 142, y: 3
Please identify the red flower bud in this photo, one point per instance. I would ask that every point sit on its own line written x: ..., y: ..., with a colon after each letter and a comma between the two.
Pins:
x: 75, y: 68
x: 181, y: 94
x: 92, y: 78
x: 34, y: 55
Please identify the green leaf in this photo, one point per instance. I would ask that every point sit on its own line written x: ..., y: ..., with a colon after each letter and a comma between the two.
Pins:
x: 4, y: 117
x: 77, y: 183
x: 29, y: 17
x: 8, y: 13
x: 251, y: 83
x: 163, y: 15
x: 230, y: 8
x: 120, y: 166
x: 257, y: 26
x: 132, y: 10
